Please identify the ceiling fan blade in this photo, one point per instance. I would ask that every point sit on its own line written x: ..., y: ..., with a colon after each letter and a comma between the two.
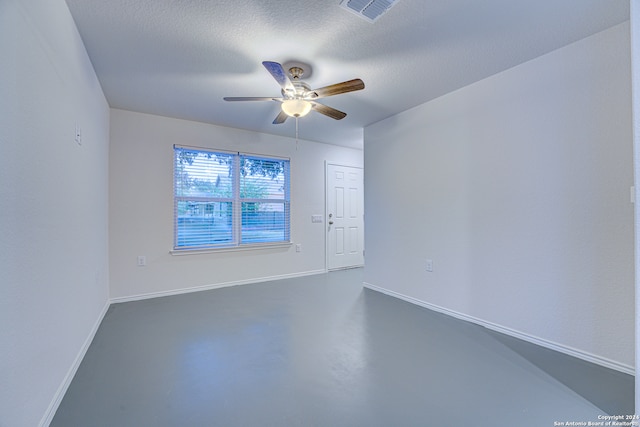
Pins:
x: 280, y: 118
x: 278, y: 73
x: 250, y: 98
x: 338, y: 88
x: 328, y: 111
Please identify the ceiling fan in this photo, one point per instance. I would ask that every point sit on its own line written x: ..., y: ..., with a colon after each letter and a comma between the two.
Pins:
x: 297, y: 97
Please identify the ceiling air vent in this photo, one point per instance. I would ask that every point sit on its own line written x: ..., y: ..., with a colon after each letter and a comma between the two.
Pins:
x: 370, y: 10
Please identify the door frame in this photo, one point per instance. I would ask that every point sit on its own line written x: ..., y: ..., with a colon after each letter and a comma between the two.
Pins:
x: 328, y: 163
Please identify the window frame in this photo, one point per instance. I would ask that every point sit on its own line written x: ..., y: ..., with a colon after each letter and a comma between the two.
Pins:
x: 236, y: 243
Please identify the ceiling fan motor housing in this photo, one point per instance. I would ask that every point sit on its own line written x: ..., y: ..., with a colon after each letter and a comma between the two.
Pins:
x: 302, y: 90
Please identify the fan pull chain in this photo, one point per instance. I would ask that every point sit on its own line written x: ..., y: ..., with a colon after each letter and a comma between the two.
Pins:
x: 296, y: 133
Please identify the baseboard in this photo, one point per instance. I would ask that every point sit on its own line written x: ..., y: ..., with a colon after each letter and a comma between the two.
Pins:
x: 213, y: 286
x: 602, y: 361
x: 66, y: 382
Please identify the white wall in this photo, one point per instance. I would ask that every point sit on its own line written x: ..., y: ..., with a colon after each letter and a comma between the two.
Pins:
x: 635, y: 85
x: 141, y: 206
x: 53, y: 206
x: 518, y: 188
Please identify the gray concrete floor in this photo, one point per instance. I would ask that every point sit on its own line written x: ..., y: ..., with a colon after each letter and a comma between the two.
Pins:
x: 322, y: 351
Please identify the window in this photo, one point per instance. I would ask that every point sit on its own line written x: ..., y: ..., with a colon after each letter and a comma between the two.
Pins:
x: 229, y: 199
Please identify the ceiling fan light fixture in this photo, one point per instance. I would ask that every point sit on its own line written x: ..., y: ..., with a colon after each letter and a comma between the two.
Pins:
x: 297, y: 97
x: 296, y: 107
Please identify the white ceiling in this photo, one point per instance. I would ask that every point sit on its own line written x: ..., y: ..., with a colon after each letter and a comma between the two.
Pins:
x: 179, y: 58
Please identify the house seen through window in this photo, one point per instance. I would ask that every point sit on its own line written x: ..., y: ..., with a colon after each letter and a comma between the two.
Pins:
x: 226, y: 199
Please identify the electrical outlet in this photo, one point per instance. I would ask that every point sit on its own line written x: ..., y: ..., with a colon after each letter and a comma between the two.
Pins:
x: 142, y: 261
x: 298, y: 247
x: 429, y: 265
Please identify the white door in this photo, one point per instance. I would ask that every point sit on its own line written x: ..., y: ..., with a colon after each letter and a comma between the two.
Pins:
x: 345, y: 219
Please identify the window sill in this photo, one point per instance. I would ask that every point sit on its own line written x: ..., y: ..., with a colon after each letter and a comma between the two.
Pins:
x: 257, y: 246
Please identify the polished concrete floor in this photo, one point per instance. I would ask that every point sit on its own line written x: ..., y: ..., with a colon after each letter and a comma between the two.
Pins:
x: 322, y: 351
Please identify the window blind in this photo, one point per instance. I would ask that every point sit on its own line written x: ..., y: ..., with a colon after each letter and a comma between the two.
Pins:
x: 264, y: 197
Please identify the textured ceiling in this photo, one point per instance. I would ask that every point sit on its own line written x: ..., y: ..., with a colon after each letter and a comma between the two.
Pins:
x: 179, y: 58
